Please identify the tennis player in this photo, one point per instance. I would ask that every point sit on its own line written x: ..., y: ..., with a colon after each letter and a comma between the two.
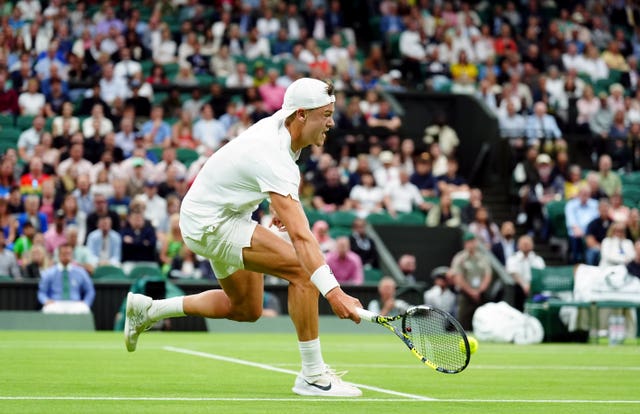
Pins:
x: 215, y: 219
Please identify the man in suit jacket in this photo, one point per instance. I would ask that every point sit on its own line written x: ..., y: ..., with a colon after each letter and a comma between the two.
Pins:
x: 105, y: 243
x: 506, y: 247
x: 66, y: 282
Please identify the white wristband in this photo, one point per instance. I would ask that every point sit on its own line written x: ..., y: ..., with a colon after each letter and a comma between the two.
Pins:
x: 324, y: 279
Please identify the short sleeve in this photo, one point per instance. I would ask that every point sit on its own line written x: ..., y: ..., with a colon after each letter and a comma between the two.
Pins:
x: 281, y: 176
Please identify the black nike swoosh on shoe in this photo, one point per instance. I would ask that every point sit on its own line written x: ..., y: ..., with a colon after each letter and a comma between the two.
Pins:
x: 320, y: 387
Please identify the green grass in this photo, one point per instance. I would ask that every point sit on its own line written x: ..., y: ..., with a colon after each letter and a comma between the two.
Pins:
x: 64, y: 372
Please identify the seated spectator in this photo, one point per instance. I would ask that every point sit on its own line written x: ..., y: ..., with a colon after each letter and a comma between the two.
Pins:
x: 141, y: 104
x: 445, y: 213
x: 81, y: 254
x: 441, y: 294
x: 138, y: 239
x: 452, y: 181
x: 97, y: 125
x: 76, y: 160
x: 597, y: 230
x: 506, y: 247
x: 633, y: 225
x: 32, y: 215
x: 66, y: 281
x: 239, y: 78
x: 65, y: 124
x: 403, y: 197
x: 385, y: 121
x: 366, y: 197
x: 588, y: 106
x: 332, y: 195
x: 320, y: 230
x: 633, y: 267
x: 172, y: 244
x: 512, y: 127
x: 207, y: 130
x: 468, y: 212
x: 388, y: 172
x: 156, y: 206
x: 616, y: 249
x: 345, y: 264
x: 272, y: 94
x: 519, y: 267
x: 101, y: 208
x: 164, y: 51
x: 55, y: 236
x: 542, y: 129
x: 31, y: 101
x: 407, y: 265
x: 593, y: 180
x: 8, y: 263
x: 156, y: 131
x: 119, y: 201
x: 387, y: 303
x: 618, y: 211
x: 579, y: 212
x: 30, y: 138
x: 575, y: 181
x: 35, y: 262
x: 471, y: 272
x: 362, y: 244
x: 423, y: 177
x: 105, y: 244
x: 485, y: 230
x: 169, y: 160
x: 610, y: 181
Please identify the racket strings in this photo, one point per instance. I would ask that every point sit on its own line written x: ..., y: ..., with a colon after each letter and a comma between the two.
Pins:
x: 436, y: 338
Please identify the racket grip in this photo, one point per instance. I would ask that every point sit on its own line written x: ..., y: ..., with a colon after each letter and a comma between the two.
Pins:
x: 367, y: 315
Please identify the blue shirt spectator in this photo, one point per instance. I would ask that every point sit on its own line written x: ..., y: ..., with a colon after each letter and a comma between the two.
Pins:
x: 66, y: 281
x: 155, y: 129
x: 580, y: 211
x: 541, y: 125
x: 105, y: 243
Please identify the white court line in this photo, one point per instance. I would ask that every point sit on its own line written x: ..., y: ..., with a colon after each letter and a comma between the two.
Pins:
x: 305, y: 399
x: 287, y: 371
x: 487, y: 367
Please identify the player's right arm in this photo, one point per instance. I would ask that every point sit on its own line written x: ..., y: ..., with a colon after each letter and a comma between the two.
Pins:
x: 291, y: 214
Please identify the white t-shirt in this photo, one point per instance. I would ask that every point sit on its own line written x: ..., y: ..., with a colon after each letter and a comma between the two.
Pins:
x: 240, y: 175
x: 31, y: 102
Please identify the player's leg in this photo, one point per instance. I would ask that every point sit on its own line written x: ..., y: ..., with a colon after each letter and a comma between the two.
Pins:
x: 271, y: 254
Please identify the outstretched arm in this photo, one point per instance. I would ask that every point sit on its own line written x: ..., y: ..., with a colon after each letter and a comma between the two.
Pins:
x: 291, y: 214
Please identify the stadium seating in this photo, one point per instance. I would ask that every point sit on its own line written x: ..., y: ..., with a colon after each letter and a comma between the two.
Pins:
x: 372, y: 275
x: 146, y: 270
x: 108, y: 272
x: 186, y: 156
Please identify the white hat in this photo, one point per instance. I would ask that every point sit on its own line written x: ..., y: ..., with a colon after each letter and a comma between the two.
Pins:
x: 305, y: 93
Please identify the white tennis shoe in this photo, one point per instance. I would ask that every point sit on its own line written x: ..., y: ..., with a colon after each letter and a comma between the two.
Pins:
x: 328, y: 384
x: 136, y: 319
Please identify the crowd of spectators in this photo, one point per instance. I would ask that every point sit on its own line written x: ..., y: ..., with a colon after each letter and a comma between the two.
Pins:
x: 115, y: 106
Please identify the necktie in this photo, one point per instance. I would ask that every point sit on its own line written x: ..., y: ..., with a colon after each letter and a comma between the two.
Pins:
x: 66, y: 288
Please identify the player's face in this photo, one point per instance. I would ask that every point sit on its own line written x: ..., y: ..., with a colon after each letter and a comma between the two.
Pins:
x: 318, y: 123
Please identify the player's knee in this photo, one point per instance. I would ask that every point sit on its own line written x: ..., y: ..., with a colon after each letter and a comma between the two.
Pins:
x: 247, y: 314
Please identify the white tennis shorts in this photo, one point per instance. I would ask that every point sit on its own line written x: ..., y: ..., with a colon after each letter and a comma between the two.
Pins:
x: 223, y: 244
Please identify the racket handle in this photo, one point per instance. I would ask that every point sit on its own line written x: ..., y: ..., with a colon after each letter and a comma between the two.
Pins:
x: 367, y: 315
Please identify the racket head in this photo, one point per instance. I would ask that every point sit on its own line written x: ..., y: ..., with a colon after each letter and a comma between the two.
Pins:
x: 438, y: 339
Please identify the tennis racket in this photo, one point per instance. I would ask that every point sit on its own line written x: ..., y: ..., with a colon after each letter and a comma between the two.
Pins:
x: 433, y: 336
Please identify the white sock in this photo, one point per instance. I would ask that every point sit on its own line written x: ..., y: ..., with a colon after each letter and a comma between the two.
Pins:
x: 311, y: 354
x: 166, y: 308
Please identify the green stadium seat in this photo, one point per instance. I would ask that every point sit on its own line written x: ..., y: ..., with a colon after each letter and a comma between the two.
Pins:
x: 414, y: 218
x: 5, y: 145
x: 631, y: 194
x: 342, y: 219
x: 7, y: 121
x: 380, y: 218
x: 314, y: 215
x: 372, y: 275
x: 186, y: 156
x: 5, y: 278
x: 630, y: 178
x: 171, y: 69
x: 145, y: 270
x: 24, y: 122
x: 336, y: 232
x: 10, y: 134
x: 204, y: 79
x: 108, y: 272
x: 557, y: 221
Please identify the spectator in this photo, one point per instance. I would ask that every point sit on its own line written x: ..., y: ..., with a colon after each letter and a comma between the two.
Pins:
x: 156, y: 131
x: 140, y: 104
x: 407, y: 265
x: 542, y: 129
x: 573, y: 183
x: 101, y: 208
x: 385, y: 121
x: 366, y: 197
x: 164, y: 51
x: 8, y: 97
x: 441, y: 295
x: 519, y: 267
x: 105, y: 244
x: 618, y: 211
x: 610, y: 181
x: 32, y: 215
x: 588, y: 106
x: 362, y: 245
x: 387, y: 303
x: 579, y: 212
x: 35, y: 262
x: 320, y: 230
x: 633, y: 267
x: 55, y: 235
x: 75, y: 161
x: 239, y: 78
x: 345, y: 264
x: 472, y: 276
x: 138, y: 239
x: 597, y: 230
x: 31, y: 102
x: 485, y: 230
x: 633, y: 224
x: 506, y: 247
x: 423, y: 177
x: 66, y: 281
x: 207, y: 130
x: 65, y: 124
x: 512, y: 127
x: 445, y: 213
x: 81, y: 254
x: 443, y: 134
x: 403, y: 196
x: 332, y: 195
x: 156, y: 206
x: 97, y: 125
x: 272, y: 94
x: 452, y: 181
x: 8, y: 262
x: 388, y: 173
x: 112, y: 88
x: 30, y: 138
x: 616, y: 249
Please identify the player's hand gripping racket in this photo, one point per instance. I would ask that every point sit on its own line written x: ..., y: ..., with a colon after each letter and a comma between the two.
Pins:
x: 433, y: 336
